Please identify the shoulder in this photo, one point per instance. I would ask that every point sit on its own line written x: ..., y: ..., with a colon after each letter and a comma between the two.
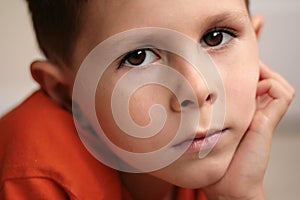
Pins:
x: 33, y: 115
x: 26, y: 188
x: 30, y: 133
x: 38, y: 140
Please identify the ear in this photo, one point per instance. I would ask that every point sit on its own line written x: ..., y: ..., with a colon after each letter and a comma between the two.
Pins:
x: 257, y: 23
x: 52, y: 80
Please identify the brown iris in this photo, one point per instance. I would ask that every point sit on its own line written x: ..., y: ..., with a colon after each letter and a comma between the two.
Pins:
x: 136, y: 57
x: 213, y: 38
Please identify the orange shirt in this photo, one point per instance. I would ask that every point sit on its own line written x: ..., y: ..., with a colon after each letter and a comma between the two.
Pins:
x: 42, y: 157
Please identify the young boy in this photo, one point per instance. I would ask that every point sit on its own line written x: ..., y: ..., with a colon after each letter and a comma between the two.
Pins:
x: 42, y: 156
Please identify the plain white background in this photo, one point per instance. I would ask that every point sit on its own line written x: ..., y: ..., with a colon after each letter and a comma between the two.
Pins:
x: 280, y: 48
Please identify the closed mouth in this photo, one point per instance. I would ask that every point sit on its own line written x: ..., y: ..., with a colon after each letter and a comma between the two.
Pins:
x: 202, y: 141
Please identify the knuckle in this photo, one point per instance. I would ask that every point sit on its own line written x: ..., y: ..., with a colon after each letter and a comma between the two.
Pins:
x: 293, y: 92
x: 290, y: 97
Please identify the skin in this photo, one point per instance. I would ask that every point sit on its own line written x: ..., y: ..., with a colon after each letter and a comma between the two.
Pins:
x: 227, y: 172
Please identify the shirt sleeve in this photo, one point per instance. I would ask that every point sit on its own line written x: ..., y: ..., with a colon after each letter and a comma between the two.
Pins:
x: 32, y: 188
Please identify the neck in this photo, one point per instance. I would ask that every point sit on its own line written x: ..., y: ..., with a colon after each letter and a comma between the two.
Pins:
x: 146, y: 187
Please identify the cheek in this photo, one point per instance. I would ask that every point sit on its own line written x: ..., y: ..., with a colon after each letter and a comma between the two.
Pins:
x: 240, y: 74
x: 240, y: 88
x: 138, y: 109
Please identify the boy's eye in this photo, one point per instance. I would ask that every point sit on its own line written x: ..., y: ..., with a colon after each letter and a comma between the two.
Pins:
x: 139, y: 58
x: 217, y: 38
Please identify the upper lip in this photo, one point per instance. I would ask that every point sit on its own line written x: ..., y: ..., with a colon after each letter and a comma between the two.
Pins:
x: 202, y: 135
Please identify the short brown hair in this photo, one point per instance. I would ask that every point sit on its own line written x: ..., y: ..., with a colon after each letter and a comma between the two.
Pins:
x: 57, y: 25
x: 247, y: 4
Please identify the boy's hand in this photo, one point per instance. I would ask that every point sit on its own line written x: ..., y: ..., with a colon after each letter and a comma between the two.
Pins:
x: 244, y: 177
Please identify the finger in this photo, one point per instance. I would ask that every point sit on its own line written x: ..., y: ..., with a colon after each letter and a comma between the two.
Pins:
x: 266, y: 72
x: 281, y: 99
x: 274, y: 89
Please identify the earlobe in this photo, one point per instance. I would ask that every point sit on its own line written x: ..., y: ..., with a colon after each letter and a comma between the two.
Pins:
x: 52, y: 80
x: 257, y: 23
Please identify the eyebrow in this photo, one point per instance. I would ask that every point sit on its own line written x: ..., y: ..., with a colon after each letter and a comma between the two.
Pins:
x: 238, y: 16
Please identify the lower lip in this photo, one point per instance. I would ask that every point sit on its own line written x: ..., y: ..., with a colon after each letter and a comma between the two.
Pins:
x: 202, y: 144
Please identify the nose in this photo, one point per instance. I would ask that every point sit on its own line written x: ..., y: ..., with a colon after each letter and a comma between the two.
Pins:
x: 202, y: 94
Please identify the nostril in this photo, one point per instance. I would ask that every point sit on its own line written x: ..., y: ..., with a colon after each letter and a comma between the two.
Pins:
x: 186, y: 103
x: 209, y: 98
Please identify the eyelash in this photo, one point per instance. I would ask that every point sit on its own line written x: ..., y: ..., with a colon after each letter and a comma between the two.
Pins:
x: 231, y: 32
x: 122, y: 62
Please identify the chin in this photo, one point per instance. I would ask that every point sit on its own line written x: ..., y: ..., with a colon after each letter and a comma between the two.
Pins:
x: 191, y: 172
x: 199, y: 174
x: 205, y: 178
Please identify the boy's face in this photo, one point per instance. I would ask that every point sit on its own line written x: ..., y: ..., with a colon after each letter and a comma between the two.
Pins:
x: 231, y: 45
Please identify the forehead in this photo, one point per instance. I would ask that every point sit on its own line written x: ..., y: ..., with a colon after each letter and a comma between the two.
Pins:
x: 112, y: 16
x: 104, y: 18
